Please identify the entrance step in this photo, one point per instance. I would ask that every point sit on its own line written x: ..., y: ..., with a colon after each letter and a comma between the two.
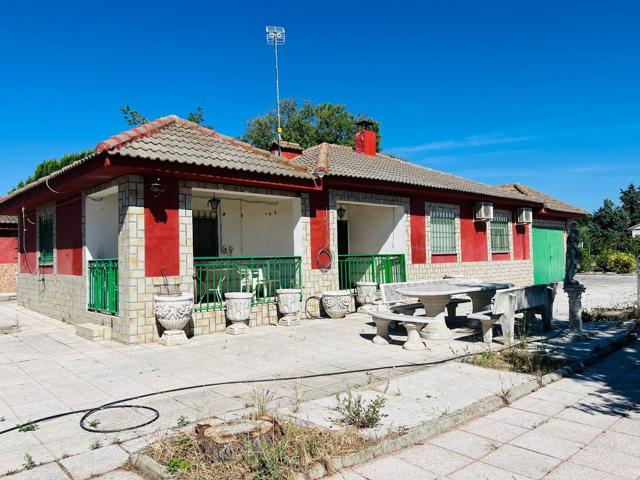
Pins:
x: 93, y: 332
x: 8, y: 296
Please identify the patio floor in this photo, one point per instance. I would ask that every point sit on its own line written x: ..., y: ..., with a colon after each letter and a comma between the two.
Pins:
x: 46, y: 369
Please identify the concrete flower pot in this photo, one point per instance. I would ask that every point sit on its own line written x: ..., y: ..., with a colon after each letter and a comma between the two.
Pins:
x: 366, y: 295
x: 336, y: 303
x: 173, y: 312
x: 289, y: 306
x: 238, y: 310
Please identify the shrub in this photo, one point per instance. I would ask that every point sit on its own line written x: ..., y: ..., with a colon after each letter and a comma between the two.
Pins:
x: 356, y: 412
x: 586, y: 261
x: 618, y: 262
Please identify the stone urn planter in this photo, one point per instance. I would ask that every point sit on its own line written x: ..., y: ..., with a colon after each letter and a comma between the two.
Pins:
x: 238, y: 306
x: 289, y: 306
x: 173, y: 312
x: 336, y: 303
x: 366, y: 295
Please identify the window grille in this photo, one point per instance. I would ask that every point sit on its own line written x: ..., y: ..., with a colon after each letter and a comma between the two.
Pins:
x: 45, y: 240
x: 500, y: 233
x: 443, y: 231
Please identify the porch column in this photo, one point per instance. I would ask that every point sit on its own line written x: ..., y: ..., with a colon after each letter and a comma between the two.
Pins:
x: 418, y: 232
x: 320, y: 224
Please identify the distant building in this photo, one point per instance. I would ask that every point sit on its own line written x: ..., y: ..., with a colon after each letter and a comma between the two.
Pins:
x: 8, y: 253
x: 635, y: 230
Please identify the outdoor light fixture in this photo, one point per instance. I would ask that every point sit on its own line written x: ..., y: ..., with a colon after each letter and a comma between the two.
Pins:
x: 157, y: 188
x: 341, y: 212
x: 214, y: 203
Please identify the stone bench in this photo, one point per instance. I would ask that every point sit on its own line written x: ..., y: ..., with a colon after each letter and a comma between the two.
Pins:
x: 411, y: 323
x: 511, y: 301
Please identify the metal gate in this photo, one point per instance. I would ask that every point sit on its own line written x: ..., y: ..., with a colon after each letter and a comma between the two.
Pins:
x: 548, y: 254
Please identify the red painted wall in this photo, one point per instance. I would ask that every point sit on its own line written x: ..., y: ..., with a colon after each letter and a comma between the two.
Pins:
x: 69, y: 237
x: 418, y: 235
x: 473, y: 236
x: 8, y: 250
x: 319, y: 203
x: 496, y: 257
x: 161, y: 230
x: 444, y: 258
x: 366, y: 142
x: 27, y: 247
x: 520, y: 242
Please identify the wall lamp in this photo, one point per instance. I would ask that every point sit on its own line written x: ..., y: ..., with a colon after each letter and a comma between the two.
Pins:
x: 341, y: 212
x: 214, y: 203
x: 157, y: 188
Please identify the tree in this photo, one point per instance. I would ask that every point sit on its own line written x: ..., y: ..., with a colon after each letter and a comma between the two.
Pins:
x: 135, y: 118
x: 49, y: 166
x: 630, y: 198
x: 606, y: 228
x: 307, y: 125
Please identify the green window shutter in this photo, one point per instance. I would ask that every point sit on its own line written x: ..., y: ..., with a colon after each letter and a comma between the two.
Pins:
x: 443, y: 232
x: 45, y: 240
x: 500, y: 234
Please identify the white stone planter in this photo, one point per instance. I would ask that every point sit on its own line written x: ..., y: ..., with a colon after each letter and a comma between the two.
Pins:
x: 336, y: 303
x: 289, y: 306
x: 238, y: 306
x: 366, y: 295
x: 173, y: 312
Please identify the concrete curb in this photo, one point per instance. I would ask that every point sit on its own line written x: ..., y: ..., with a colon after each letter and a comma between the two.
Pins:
x: 153, y: 470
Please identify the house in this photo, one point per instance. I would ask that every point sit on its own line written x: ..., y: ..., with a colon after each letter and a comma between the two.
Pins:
x: 8, y: 253
x: 635, y: 230
x: 171, y: 204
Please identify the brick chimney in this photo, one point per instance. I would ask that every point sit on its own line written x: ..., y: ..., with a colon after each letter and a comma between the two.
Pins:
x: 289, y: 149
x: 365, y: 138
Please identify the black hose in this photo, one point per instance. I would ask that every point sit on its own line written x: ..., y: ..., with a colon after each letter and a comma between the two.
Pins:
x: 306, y: 306
x: 116, y: 404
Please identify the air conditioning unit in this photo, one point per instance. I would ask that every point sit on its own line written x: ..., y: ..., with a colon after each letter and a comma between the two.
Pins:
x: 524, y: 215
x: 484, y: 211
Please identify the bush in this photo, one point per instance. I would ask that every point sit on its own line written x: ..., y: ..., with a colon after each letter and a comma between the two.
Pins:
x: 618, y: 262
x: 356, y: 412
x: 586, y: 261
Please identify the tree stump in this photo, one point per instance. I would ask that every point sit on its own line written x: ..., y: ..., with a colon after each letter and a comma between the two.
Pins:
x: 222, y: 442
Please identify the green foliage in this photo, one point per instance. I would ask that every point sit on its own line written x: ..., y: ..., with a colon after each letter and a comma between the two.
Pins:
x: 183, y: 421
x: 586, y: 261
x: 29, y: 463
x: 355, y: 411
x: 306, y: 124
x: 96, y: 444
x: 28, y: 427
x: 630, y: 199
x: 49, y: 166
x: 133, y: 117
x: 176, y: 465
x: 618, y: 262
x: 267, y: 460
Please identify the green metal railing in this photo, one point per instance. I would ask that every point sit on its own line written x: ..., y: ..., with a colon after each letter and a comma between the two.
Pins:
x: 215, y: 276
x: 103, y: 286
x: 379, y: 268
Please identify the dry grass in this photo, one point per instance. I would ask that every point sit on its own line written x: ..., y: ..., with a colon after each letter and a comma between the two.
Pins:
x: 517, y: 359
x: 297, y: 450
x: 615, y: 314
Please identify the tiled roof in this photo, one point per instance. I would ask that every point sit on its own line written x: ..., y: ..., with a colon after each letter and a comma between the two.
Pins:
x: 8, y: 219
x: 547, y: 200
x: 173, y: 139
x: 635, y: 227
x: 344, y: 161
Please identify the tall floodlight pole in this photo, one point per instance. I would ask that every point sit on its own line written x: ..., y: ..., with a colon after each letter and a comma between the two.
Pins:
x: 275, y: 37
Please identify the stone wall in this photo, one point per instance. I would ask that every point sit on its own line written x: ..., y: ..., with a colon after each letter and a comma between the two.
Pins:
x: 58, y: 296
x: 8, y: 277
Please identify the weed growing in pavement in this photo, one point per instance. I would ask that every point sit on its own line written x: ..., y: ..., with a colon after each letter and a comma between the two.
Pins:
x: 28, y: 427
x: 357, y: 412
x: 28, y: 462
x: 94, y: 423
x: 183, y: 421
x: 261, y: 400
x: 96, y: 444
x: 2, y: 419
x: 296, y: 401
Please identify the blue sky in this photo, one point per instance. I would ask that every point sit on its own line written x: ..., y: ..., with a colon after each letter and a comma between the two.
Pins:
x: 546, y: 93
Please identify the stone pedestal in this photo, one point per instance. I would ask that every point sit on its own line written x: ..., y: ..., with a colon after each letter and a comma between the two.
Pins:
x: 574, y: 292
x: 434, y: 306
x: 173, y: 312
x: 238, y: 310
x: 289, y: 306
x: 366, y: 295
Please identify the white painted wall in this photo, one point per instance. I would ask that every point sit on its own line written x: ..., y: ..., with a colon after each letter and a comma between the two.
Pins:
x: 375, y: 229
x: 101, y: 227
x: 257, y: 226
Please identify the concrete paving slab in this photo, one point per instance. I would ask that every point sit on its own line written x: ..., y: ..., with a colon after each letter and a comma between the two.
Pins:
x: 434, y: 459
x: 95, y: 462
x: 541, y: 442
x: 483, y: 471
x: 523, y: 462
x: 608, y: 461
x: 120, y: 475
x: 619, y: 442
x: 575, y: 432
x: 535, y: 405
x: 628, y: 426
x: 393, y: 469
x: 573, y: 471
x: 465, y: 443
x: 494, y: 430
x: 50, y: 471
x: 517, y: 417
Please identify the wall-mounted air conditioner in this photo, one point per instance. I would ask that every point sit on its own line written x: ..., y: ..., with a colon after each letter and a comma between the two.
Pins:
x: 484, y: 211
x: 524, y: 216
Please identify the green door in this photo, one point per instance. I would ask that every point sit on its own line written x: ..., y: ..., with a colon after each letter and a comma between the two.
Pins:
x: 548, y: 254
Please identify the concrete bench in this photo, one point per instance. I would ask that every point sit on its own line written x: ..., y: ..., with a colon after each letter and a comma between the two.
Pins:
x: 508, y: 302
x: 411, y: 323
x: 391, y: 299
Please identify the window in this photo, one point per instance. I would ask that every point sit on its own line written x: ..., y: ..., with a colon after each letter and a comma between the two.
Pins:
x: 500, y: 233
x: 443, y: 231
x: 205, y: 234
x: 45, y: 240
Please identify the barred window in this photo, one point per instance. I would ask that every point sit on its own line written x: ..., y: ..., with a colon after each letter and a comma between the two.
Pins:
x: 443, y: 231
x: 45, y: 240
x: 500, y: 233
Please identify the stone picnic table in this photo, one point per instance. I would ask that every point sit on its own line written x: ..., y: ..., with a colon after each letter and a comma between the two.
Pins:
x: 435, y: 298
